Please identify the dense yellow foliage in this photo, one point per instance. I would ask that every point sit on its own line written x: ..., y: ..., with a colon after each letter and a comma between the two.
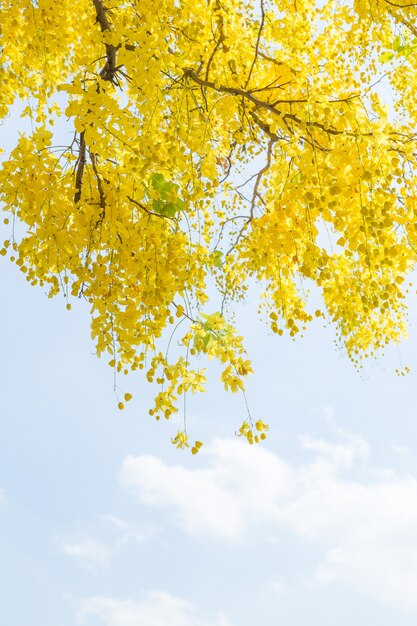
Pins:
x: 213, y: 142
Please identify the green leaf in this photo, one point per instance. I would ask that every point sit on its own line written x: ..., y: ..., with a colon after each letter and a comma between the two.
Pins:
x: 296, y: 178
x: 396, y: 45
x: 157, y: 180
x: 163, y: 206
x: 386, y: 56
x: 170, y: 209
x: 218, y: 258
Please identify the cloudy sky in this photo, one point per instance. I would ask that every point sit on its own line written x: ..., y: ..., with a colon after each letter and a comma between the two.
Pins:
x: 104, y: 523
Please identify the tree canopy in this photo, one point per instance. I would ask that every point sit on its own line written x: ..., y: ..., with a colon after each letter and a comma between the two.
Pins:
x: 213, y: 143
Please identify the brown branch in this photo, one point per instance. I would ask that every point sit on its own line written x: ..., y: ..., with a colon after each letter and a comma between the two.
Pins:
x: 109, y: 70
x: 99, y: 185
x: 107, y: 73
x: 255, y: 194
x: 260, y: 174
x: 209, y: 62
x: 216, y: 47
x: 239, y: 237
x: 234, y: 91
x: 81, y: 161
x: 223, y: 224
x: 268, y: 58
x: 265, y: 127
x: 262, y: 104
x: 144, y: 208
x: 401, y: 6
x: 267, y: 130
x: 403, y: 21
x: 258, y: 39
x: 271, y: 86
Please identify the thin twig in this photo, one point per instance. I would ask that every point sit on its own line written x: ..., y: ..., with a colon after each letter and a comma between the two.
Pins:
x: 258, y: 39
x: 262, y: 104
x: 80, y: 168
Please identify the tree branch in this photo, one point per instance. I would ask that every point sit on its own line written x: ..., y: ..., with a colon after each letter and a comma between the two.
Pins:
x: 261, y: 104
x: 81, y: 161
x: 258, y: 39
x: 109, y: 70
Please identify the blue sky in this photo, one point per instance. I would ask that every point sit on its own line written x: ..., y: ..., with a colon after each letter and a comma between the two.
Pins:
x: 104, y: 523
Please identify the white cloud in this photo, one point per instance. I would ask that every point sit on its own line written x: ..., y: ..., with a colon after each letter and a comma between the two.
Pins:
x: 363, y: 518
x: 127, y: 532
x: 89, y: 553
x: 401, y: 451
x: 276, y: 586
x: 339, y: 454
x: 376, y: 550
x: 157, y: 608
x: 92, y: 554
x: 220, y: 499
